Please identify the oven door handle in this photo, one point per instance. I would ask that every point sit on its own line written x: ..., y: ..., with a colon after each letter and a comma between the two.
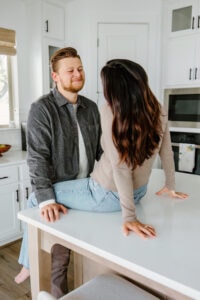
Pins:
x: 177, y: 145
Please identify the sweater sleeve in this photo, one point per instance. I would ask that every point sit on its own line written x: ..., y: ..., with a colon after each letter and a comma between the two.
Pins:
x: 122, y: 175
x: 39, y: 153
x: 167, y: 159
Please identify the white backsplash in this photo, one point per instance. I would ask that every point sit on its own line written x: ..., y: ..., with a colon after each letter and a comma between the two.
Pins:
x: 11, y: 136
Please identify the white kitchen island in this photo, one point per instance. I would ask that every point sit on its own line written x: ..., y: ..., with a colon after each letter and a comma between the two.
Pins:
x: 169, y: 263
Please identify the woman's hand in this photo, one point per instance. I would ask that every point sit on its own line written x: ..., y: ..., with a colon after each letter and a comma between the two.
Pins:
x: 143, y: 230
x: 172, y: 193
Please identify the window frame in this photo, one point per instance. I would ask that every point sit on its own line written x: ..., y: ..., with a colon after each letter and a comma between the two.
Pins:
x: 10, y: 92
x: 8, y: 49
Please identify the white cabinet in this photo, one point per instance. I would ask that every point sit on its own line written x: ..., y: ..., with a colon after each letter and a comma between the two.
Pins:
x: 49, y: 47
x: 182, y: 65
x: 47, y: 28
x: 53, y: 28
x: 15, y: 188
x: 183, y: 17
x: 53, y: 21
x: 10, y: 228
x: 182, y: 44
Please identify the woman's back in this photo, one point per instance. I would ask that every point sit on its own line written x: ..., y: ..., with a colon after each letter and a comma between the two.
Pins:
x: 118, y: 177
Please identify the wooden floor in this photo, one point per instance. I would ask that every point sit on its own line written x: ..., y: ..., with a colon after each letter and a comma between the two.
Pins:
x: 9, y: 268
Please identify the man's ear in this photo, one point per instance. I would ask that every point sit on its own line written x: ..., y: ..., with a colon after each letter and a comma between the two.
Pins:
x: 54, y: 76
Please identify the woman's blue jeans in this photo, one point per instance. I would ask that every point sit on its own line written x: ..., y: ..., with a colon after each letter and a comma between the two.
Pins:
x: 82, y: 194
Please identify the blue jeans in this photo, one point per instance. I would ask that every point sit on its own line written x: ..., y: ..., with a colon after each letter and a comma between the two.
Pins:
x: 81, y: 194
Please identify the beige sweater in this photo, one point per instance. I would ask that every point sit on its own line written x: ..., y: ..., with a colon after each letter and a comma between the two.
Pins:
x: 118, y: 177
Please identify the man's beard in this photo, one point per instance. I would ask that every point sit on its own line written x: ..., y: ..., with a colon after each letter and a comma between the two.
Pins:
x: 71, y: 88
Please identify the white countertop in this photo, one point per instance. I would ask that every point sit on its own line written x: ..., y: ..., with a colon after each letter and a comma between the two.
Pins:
x: 13, y: 157
x: 172, y: 258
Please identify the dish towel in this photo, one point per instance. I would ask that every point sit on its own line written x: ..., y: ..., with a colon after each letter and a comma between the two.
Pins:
x: 186, y: 157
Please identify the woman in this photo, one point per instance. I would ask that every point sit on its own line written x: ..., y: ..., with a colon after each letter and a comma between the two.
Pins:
x: 134, y: 131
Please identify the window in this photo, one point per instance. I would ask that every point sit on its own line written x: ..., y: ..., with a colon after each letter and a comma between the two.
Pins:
x: 6, y: 112
x: 7, y: 49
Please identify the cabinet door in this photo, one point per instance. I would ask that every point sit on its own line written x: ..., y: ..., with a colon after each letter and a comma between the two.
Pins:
x: 197, y: 61
x: 180, y: 61
x: 182, y: 16
x: 49, y: 47
x: 53, y: 21
x: 9, y: 203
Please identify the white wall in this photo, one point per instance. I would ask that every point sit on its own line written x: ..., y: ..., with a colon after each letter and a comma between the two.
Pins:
x: 83, y: 17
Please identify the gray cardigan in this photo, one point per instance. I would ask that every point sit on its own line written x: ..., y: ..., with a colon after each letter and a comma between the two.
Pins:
x: 52, y: 141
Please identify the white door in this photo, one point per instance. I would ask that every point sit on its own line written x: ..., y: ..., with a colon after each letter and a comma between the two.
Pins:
x: 122, y: 40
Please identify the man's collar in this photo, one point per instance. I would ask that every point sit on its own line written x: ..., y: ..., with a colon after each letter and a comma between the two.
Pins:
x: 61, y: 100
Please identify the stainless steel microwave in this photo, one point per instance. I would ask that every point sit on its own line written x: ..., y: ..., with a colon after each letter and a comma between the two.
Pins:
x: 184, y: 110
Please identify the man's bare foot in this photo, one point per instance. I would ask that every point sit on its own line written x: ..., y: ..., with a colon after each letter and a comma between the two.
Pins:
x: 23, y: 275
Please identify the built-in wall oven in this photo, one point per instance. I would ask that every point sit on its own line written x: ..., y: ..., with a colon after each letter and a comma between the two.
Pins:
x: 186, y: 148
x: 183, y: 107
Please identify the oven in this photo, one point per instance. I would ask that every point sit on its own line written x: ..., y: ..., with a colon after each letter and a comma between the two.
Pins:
x: 183, y: 108
x: 189, y: 153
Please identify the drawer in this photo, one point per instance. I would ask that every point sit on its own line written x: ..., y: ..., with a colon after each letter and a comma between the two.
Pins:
x: 8, y: 175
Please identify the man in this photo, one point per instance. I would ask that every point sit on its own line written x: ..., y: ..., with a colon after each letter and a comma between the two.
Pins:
x: 63, y: 137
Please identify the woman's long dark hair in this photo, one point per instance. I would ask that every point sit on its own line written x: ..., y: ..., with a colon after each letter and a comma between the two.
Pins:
x: 136, y: 127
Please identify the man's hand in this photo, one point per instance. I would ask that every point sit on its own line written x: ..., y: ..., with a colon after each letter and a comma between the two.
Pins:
x: 143, y: 230
x: 51, y: 212
x: 172, y: 193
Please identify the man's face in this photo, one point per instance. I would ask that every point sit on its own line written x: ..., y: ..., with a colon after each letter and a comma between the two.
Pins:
x: 70, y: 75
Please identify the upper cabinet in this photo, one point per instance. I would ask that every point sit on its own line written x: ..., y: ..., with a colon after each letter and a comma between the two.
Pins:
x: 182, y: 64
x: 183, y: 17
x: 47, y: 34
x: 182, y: 44
x: 53, y: 21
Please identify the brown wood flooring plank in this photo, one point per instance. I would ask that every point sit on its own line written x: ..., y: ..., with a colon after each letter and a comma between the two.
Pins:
x: 9, y: 268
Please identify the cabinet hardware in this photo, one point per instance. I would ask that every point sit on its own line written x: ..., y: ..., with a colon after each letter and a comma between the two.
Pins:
x: 27, y: 193
x: 195, y: 73
x: 3, y: 177
x: 47, y: 26
x: 17, y: 193
x: 193, y: 18
x: 190, y: 74
x: 198, y: 24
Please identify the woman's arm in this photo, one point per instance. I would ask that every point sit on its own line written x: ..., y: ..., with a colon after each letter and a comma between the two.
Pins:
x: 167, y: 161
x: 123, y: 178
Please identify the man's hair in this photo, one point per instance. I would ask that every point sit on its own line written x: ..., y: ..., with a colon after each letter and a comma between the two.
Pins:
x: 60, y: 54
